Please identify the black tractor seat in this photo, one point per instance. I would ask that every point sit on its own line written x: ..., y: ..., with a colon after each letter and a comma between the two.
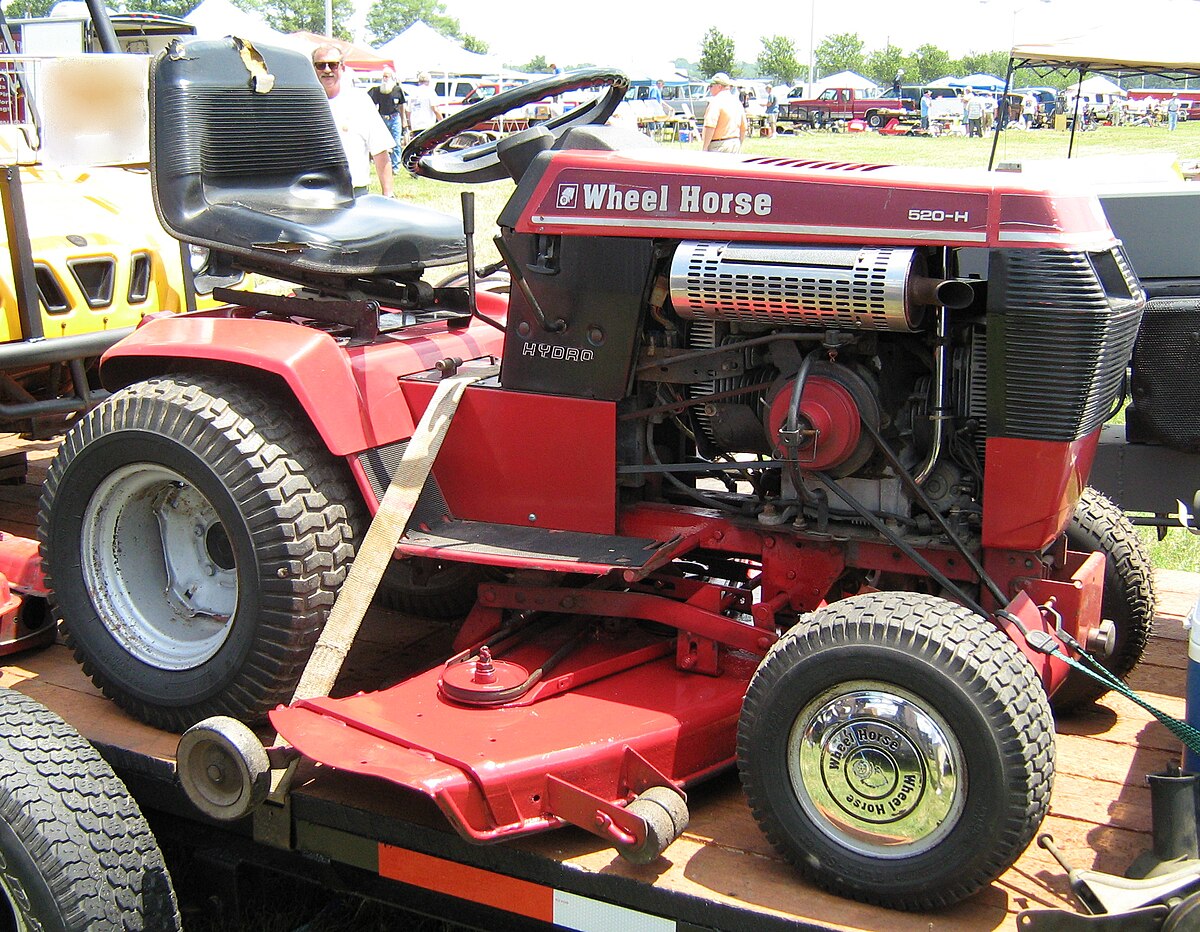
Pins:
x: 247, y: 160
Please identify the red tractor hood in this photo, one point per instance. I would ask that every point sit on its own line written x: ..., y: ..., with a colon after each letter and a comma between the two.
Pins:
x: 703, y: 195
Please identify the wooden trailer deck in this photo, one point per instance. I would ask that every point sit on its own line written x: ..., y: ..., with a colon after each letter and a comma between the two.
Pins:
x: 721, y: 874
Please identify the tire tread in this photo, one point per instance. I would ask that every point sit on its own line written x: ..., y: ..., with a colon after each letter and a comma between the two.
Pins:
x: 971, y: 651
x: 297, y: 500
x: 1098, y: 524
x: 79, y: 823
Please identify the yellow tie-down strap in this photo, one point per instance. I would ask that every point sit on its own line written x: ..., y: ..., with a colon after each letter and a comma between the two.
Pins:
x: 389, y: 523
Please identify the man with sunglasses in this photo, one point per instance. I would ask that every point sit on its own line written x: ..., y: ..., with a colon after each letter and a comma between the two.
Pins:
x: 364, y: 135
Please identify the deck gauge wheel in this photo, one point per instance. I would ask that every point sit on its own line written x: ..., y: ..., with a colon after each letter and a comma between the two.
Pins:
x: 223, y: 768
x: 666, y: 816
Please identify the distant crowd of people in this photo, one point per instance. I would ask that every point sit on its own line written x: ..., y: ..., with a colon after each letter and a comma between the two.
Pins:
x: 982, y: 111
x: 374, y: 124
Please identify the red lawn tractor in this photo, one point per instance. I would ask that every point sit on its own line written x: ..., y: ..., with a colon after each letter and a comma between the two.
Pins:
x: 784, y: 466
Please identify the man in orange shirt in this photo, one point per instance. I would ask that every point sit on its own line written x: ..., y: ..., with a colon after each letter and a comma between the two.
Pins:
x: 725, y: 119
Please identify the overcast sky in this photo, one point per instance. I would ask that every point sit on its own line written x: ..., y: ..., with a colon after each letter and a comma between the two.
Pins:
x: 641, y: 34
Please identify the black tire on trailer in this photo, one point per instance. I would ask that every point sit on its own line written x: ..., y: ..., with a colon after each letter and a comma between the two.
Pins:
x: 897, y: 749
x: 77, y: 854
x: 1098, y: 524
x: 195, y: 532
x: 431, y: 588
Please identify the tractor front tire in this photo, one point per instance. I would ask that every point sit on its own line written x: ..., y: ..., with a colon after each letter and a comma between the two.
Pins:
x: 1128, y: 601
x: 897, y: 749
x: 194, y: 532
x: 76, y: 854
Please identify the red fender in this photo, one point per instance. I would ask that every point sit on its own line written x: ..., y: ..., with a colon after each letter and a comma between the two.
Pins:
x: 350, y: 393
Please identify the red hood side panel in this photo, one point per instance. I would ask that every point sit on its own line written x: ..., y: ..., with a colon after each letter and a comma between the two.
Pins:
x: 1024, y: 513
x: 690, y: 195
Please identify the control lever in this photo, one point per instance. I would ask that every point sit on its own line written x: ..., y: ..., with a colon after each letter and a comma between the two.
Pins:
x: 468, y: 218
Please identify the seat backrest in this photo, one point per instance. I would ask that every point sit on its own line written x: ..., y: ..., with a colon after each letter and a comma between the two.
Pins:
x: 216, y: 138
x: 246, y: 159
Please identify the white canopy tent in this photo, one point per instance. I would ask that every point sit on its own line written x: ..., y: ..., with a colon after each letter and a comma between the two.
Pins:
x: 1102, y: 50
x: 979, y: 82
x: 1098, y: 84
x: 422, y: 48
x: 850, y: 79
x: 214, y: 19
x: 1113, y: 52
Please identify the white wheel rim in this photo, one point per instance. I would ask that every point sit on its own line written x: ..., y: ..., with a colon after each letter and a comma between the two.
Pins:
x: 877, y: 769
x: 159, y: 567
x: 15, y: 897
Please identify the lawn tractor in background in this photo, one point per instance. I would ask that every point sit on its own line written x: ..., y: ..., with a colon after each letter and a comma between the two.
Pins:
x: 757, y: 462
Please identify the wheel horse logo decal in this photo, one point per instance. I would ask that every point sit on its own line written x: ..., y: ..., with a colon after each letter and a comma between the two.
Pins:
x: 568, y: 196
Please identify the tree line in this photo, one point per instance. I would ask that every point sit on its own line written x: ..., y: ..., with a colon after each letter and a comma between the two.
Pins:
x: 846, y: 51
x: 777, y: 60
x: 386, y: 19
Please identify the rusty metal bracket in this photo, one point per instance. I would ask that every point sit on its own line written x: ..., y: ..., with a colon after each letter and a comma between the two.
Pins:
x: 613, y: 823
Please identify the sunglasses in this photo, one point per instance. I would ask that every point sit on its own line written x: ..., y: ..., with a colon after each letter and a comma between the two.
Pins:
x: 327, y: 65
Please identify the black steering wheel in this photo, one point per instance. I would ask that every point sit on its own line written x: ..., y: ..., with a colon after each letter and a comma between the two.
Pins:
x: 480, y: 163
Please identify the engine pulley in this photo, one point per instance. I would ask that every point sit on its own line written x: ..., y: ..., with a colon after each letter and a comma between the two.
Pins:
x: 483, y: 681
x: 833, y: 405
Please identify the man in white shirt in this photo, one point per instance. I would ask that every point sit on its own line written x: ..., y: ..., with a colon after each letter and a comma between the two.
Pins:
x: 421, y: 105
x: 725, y: 121
x: 364, y: 135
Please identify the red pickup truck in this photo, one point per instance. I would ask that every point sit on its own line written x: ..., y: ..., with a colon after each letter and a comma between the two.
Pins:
x: 843, y: 103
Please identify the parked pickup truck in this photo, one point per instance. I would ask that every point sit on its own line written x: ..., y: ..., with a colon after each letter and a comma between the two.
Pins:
x: 843, y: 103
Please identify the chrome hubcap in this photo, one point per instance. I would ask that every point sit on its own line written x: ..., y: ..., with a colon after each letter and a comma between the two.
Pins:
x: 877, y: 769
x: 159, y: 566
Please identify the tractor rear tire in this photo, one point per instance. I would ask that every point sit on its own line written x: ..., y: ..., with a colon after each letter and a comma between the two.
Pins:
x: 195, y: 532
x: 76, y: 854
x: 897, y: 749
x: 1098, y: 524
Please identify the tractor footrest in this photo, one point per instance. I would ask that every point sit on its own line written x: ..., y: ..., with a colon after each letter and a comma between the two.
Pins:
x: 510, y: 545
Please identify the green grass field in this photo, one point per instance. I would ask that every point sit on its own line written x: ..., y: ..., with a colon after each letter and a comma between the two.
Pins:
x: 1111, y: 153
